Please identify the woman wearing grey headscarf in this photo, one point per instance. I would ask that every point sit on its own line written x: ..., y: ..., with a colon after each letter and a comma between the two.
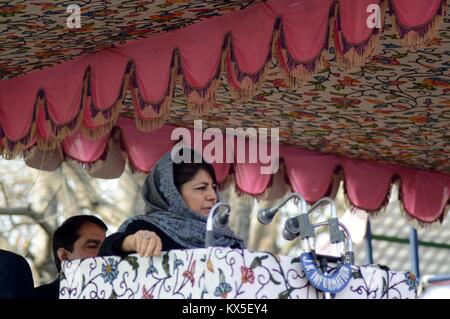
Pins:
x: 178, y: 198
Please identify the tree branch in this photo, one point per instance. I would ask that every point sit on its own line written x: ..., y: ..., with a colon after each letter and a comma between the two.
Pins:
x: 31, y: 213
x: 5, y: 194
x: 95, y: 201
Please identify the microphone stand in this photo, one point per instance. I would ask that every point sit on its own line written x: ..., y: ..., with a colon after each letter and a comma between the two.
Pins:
x: 216, y: 220
x: 349, y: 254
x: 345, y: 237
x: 335, y: 236
x: 301, y: 226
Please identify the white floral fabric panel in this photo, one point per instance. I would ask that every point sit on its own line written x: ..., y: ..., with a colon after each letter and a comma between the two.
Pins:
x: 221, y: 273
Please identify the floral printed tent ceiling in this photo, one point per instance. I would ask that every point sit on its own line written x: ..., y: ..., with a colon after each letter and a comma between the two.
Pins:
x: 34, y: 33
x: 368, y: 100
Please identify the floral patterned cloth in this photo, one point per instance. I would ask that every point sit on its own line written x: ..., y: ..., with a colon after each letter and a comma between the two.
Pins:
x: 221, y: 273
x: 394, y: 109
x: 34, y: 35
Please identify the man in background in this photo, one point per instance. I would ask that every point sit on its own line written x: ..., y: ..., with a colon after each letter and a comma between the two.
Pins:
x: 78, y: 237
x: 16, y: 280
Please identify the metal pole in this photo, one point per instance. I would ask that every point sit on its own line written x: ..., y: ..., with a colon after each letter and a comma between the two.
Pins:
x: 430, y: 279
x: 368, y: 244
x: 414, y: 251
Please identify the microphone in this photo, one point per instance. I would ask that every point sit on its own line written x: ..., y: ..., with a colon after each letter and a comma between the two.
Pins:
x: 220, y: 220
x: 216, y: 220
x: 291, y: 229
x: 298, y: 226
x: 265, y: 216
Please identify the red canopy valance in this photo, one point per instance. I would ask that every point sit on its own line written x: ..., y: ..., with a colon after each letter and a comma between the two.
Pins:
x: 48, y: 105
x: 424, y: 194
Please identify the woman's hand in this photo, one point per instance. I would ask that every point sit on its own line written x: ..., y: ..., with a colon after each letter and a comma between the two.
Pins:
x: 144, y: 242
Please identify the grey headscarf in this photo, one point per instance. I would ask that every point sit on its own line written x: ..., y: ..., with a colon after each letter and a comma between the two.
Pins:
x: 166, y: 209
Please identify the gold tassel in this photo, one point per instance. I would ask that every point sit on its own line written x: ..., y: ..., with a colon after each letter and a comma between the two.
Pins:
x: 152, y: 120
x: 300, y: 75
x: 362, y: 213
x: 47, y: 145
x: 259, y: 197
x: 247, y: 88
x: 19, y: 149
x: 100, y: 131
x: 135, y: 171
x: 413, y: 40
x: 27, y: 154
x: 10, y: 154
x: 381, y: 212
x: 50, y: 144
x: 373, y: 214
x: 63, y: 131
x: 351, y: 59
x: 95, y: 166
x: 106, y: 124
x: 201, y: 105
x: 156, y: 120
x: 415, y: 223
x: 149, y: 125
x: 89, y: 167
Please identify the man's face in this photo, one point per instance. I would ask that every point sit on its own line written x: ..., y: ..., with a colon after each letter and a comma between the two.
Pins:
x: 91, y: 238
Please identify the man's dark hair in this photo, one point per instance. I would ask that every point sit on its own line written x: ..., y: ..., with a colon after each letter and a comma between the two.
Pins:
x: 68, y: 233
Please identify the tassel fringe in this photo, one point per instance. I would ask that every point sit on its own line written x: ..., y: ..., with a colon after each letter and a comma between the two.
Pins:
x: 422, y: 36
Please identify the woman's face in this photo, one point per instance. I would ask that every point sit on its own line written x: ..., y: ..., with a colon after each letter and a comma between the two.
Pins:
x: 199, y: 193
